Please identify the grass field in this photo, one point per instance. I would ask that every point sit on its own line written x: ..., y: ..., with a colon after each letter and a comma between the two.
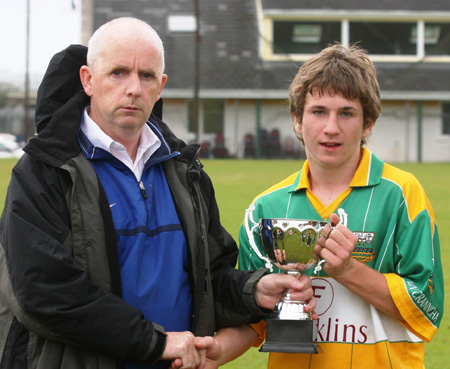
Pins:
x: 237, y: 182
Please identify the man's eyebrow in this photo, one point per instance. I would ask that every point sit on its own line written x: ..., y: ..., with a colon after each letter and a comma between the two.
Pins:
x: 127, y: 68
x: 148, y: 71
x: 119, y: 67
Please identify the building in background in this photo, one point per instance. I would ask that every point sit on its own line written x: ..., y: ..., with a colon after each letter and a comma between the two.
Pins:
x: 248, y: 51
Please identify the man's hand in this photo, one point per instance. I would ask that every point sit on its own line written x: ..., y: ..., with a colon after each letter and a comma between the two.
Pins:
x: 181, y: 349
x: 271, y: 288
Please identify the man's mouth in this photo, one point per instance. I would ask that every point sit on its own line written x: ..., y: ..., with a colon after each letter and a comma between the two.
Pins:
x: 130, y: 108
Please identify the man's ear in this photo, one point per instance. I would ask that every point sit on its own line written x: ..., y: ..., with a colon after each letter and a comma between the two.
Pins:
x: 86, y: 79
x: 163, y: 82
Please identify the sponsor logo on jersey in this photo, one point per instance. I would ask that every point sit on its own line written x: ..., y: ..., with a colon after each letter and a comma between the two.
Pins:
x: 335, y: 328
x: 363, y: 251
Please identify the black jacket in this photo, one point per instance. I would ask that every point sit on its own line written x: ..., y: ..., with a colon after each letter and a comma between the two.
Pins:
x: 60, y: 294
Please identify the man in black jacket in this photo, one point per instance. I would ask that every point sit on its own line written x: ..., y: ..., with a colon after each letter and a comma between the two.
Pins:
x: 112, y: 253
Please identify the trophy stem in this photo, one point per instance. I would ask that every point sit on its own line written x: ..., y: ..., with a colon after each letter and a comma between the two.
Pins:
x: 287, y: 296
x: 289, y: 309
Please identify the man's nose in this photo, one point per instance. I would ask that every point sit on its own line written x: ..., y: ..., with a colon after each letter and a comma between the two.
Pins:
x: 134, y: 85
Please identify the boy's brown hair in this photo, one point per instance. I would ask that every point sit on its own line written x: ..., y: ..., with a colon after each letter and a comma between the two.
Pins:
x: 342, y: 70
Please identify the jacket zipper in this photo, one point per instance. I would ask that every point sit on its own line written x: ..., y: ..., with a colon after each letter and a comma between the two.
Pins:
x: 142, y: 188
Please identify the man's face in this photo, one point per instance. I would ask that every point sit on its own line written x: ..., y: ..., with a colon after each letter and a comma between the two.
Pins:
x: 332, y: 128
x: 124, y: 84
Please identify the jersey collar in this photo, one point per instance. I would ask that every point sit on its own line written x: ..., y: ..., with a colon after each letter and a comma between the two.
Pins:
x: 367, y: 174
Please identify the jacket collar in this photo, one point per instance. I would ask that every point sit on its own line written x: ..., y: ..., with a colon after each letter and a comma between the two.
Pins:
x: 164, y: 152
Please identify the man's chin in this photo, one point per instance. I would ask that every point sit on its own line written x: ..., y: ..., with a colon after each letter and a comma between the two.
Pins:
x: 132, y: 122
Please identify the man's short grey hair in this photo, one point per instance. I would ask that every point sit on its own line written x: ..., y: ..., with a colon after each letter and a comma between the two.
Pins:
x: 94, y: 45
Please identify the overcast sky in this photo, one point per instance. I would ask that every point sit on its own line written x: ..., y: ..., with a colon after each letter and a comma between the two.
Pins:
x: 54, y: 25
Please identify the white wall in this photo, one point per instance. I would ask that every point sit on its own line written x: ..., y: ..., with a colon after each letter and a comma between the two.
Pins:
x: 395, y: 135
x: 436, y: 146
x: 175, y: 114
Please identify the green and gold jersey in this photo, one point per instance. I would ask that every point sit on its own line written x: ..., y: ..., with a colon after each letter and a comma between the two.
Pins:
x: 389, y: 212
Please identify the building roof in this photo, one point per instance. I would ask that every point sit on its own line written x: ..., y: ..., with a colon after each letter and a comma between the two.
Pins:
x: 230, y: 61
x: 403, y: 5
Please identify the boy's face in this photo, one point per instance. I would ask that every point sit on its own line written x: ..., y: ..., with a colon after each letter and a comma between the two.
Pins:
x: 332, y: 129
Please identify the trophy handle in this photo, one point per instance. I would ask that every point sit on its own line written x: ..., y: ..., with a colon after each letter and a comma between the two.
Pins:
x: 249, y: 231
x: 342, y: 216
x: 343, y: 220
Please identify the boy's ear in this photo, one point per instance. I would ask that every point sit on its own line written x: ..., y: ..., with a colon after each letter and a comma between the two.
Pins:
x: 297, y: 124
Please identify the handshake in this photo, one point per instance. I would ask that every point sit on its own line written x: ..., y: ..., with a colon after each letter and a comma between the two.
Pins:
x: 189, y: 352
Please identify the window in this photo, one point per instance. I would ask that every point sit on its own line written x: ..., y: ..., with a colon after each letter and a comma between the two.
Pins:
x: 182, y: 23
x: 211, y: 114
x: 446, y: 118
x: 302, y: 37
x: 439, y: 33
x: 431, y: 34
x: 383, y: 38
x: 307, y: 33
x: 392, y: 38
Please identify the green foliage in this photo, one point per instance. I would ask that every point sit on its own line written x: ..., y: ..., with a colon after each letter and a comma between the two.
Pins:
x: 237, y: 182
x: 6, y: 166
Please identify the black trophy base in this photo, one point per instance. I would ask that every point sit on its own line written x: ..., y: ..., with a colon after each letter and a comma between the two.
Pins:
x: 290, y: 336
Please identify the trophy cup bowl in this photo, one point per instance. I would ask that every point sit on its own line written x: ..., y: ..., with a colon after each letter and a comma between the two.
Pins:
x: 289, y: 244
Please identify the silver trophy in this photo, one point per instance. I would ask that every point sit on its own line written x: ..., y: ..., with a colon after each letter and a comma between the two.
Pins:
x: 289, y: 244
